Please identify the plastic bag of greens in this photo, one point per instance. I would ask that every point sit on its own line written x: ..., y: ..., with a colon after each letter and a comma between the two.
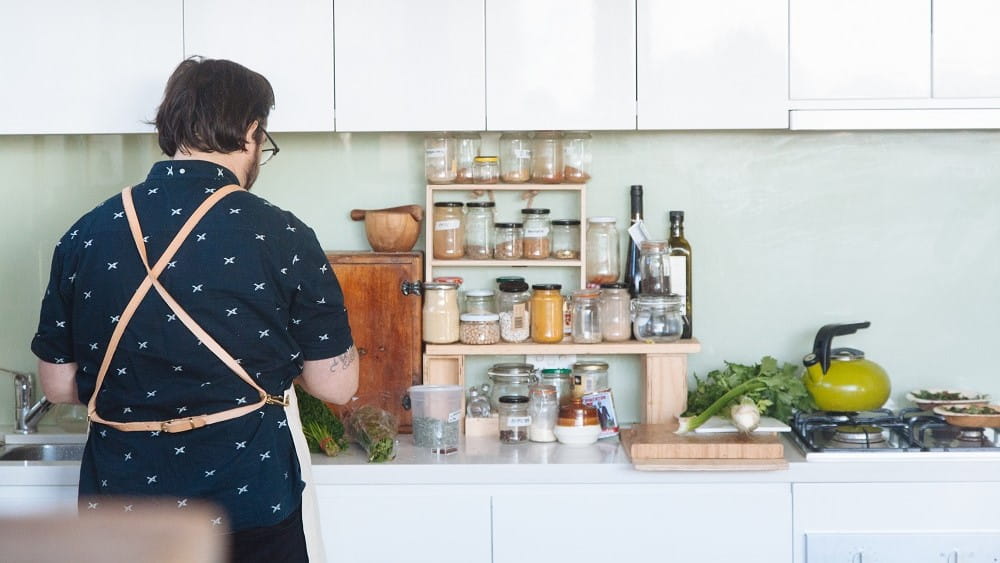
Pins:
x: 374, y: 428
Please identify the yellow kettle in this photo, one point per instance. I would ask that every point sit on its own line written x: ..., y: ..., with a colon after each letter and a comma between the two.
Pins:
x: 841, y: 379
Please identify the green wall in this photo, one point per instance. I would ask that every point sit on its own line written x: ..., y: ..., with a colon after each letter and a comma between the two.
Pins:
x: 790, y: 231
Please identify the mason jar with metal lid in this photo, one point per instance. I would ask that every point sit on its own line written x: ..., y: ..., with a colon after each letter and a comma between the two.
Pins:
x: 510, y: 379
x: 536, y: 233
x: 486, y: 170
x: 449, y: 229
x: 546, y: 313
x: 440, y: 313
x: 566, y: 239
x: 479, y: 229
x: 657, y: 318
x: 508, y: 241
x: 589, y: 377
x: 512, y: 305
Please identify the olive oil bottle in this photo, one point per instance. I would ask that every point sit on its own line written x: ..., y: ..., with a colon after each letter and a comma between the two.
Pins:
x: 680, y: 269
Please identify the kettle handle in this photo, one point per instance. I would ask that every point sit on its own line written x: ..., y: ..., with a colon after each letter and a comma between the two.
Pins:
x: 825, y: 335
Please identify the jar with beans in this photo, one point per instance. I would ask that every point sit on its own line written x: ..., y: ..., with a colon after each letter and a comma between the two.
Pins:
x: 481, y: 328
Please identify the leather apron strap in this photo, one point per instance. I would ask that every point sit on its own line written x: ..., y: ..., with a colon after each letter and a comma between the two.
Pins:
x: 151, y: 281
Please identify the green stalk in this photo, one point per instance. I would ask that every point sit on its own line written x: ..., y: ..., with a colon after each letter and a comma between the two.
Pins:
x: 690, y: 424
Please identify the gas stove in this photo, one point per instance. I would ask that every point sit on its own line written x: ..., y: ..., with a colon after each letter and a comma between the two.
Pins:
x: 886, y: 434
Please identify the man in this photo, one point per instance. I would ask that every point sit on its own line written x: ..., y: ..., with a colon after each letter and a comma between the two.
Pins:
x: 184, y: 368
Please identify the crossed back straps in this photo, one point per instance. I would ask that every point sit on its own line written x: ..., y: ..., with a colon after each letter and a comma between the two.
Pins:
x: 151, y: 281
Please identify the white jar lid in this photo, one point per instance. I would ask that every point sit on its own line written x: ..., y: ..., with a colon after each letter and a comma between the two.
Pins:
x: 601, y: 219
x: 479, y: 293
x: 479, y: 317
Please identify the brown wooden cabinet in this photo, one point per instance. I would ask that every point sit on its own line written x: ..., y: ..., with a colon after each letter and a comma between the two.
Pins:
x: 384, y: 313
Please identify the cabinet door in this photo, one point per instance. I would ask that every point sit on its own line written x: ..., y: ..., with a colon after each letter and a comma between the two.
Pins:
x: 24, y: 500
x: 712, y: 64
x: 376, y: 524
x: 89, y: 66
x: 663, y: 523
x: 415, y: 65
x: 385, y: 324
x: 966, y: 49
x: 560, y: 64
x: 850, y: 49
x: 290, y: 43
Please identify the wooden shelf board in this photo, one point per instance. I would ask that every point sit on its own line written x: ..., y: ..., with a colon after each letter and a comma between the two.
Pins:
x: 690, y: 346
x: 507, y: 187
x: 444, y: 263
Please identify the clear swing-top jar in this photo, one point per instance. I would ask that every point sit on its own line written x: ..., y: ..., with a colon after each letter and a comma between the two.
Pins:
x: 654, y: 267
x: 657, y: 318
x: 510, y: 379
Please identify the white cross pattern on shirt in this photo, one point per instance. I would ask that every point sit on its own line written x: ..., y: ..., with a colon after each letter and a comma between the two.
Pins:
x: 88, y: 243
x: 175, y: 211
x: 235, y: 211
x: 202, y: 236
x: 143, y: 345
x: 258, y: 286
x: 275, y: 508
x: 119, y: 214
x: 231, y: 312
x: 93, y: 346
x: 242, y: 489
x: 259, y: 237
x: 196, y: 288
x: 265, y: 332
x: 265, y: 455
x: 324, y: 337
x: 115, y: 319
x: 150, y: 479
x: 180, y: 450
x: 112, y: 265
x: 230, y: 260
x: 152, y: 191
x: 241, y: 445
x: 86, y: 294
x: 61, y: 324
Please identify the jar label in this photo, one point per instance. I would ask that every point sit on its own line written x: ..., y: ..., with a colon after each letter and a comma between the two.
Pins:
x: 454, y: 416
x: 678, y: 279
x: 519, y: 318
x: 523, y: 153
x: 536, y: 232
x: 447, y: 225
x: 436, y: 152
x: 518, y: 421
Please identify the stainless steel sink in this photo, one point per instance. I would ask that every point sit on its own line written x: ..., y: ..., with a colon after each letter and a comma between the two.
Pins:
x: 42, y: 452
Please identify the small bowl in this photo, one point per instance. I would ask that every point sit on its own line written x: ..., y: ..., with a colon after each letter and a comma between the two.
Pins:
x: 967, y: 399
x: 577, y: 435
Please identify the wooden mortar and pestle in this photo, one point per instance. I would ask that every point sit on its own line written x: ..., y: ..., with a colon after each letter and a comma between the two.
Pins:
x: 393, y: 229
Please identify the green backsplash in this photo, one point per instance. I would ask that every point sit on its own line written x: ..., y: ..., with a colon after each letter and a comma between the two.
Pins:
x: 790, y: 231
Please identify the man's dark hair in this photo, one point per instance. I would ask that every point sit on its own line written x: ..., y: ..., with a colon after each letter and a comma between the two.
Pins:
x: 208, y: 105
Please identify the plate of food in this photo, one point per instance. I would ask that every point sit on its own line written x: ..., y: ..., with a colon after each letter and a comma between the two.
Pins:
x: 928, y: 399
x: 979, y: 416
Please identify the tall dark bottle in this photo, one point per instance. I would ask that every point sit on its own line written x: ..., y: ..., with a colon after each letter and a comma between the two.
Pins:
x: 632, y: 274
x: 680, y: 268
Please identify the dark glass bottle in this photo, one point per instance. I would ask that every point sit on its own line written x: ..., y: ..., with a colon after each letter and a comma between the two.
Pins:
x: 680, y: 269
x: 632, y: 275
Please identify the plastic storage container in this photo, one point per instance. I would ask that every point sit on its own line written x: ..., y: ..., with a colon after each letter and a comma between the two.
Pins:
x: 515, y: 157
x: 437, y: 416
x: 449, y: 229
x: 440, y: 163
x: 536, y: 233
x: 479, y: 218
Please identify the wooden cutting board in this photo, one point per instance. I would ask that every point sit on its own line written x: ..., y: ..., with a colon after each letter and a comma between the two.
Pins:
x: 658, y: 447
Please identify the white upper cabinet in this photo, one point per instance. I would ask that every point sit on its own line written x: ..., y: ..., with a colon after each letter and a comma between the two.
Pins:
x: 712, y: 64
x: 290, y: 43
x: 87, y: 66
x: 560, y: 64
x: 966, y: 49
x: 843, y: 49
x: 416, y: 65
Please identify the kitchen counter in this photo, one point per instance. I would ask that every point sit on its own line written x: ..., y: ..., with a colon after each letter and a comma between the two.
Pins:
x: 486, y: 461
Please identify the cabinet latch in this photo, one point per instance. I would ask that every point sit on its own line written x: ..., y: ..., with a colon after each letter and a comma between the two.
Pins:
x: 415, y: 287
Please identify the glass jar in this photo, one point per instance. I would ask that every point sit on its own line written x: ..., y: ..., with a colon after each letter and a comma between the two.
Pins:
x: 546, y: 158
x: 657, y: 318
x: 449, y: 229
x: 536, y: 233
x: 478, y: 404
x: 654, y: 267
x: 486, y: 170
x: 508, y: 241
x: 546, y: 313
x: 543, y: 407
x: 466, y: 151
x: 562, y: 380
x: 440, y: 164
x: 616, y: 321
x: 565, y: 239
x: 576, y: 157
x: 589, y: 377
x: 510, y: 379
x: 586, y: 316
x: 602, y: 251
x: 440, y: 313
x: 515, y: 317
x: 514, y: 419
x: 479, y: 229
x: 479, y: 328
x: 515, y: 157
x: 480, y: 301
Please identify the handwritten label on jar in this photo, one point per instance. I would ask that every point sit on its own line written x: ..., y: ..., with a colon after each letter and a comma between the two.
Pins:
x: 436, y: 153
x: 518, y: 421
x: 536, y: 232
x: 447, y: 225
x: 454, y: 416
x: 523, y: 153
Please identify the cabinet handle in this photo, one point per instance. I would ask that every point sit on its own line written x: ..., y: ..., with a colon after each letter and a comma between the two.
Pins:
x: 414, y: 287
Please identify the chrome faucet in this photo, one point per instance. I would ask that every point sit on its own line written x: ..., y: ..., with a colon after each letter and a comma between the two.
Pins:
x: 27, y: 412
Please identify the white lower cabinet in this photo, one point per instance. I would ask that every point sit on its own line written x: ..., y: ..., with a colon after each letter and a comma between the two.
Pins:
x: 896, y: 522
x: 373, y: 523
x: 25, y: 500
x: 719, y: 522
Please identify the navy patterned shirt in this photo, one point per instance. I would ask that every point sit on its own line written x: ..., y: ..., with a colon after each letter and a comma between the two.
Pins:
x: 256, y: 279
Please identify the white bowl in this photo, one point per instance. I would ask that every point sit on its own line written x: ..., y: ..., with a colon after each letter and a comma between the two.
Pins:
x: 577, y: 435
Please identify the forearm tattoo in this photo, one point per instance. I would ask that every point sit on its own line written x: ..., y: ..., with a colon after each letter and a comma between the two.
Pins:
x: 344, y: 360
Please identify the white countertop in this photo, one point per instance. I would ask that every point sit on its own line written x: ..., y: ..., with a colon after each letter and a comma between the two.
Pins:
x: 482, y: 461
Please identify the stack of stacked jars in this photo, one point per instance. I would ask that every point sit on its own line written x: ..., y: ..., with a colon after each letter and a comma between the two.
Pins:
x: 656, y: 312
x: 470, y: 231
x: 547, y: 157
